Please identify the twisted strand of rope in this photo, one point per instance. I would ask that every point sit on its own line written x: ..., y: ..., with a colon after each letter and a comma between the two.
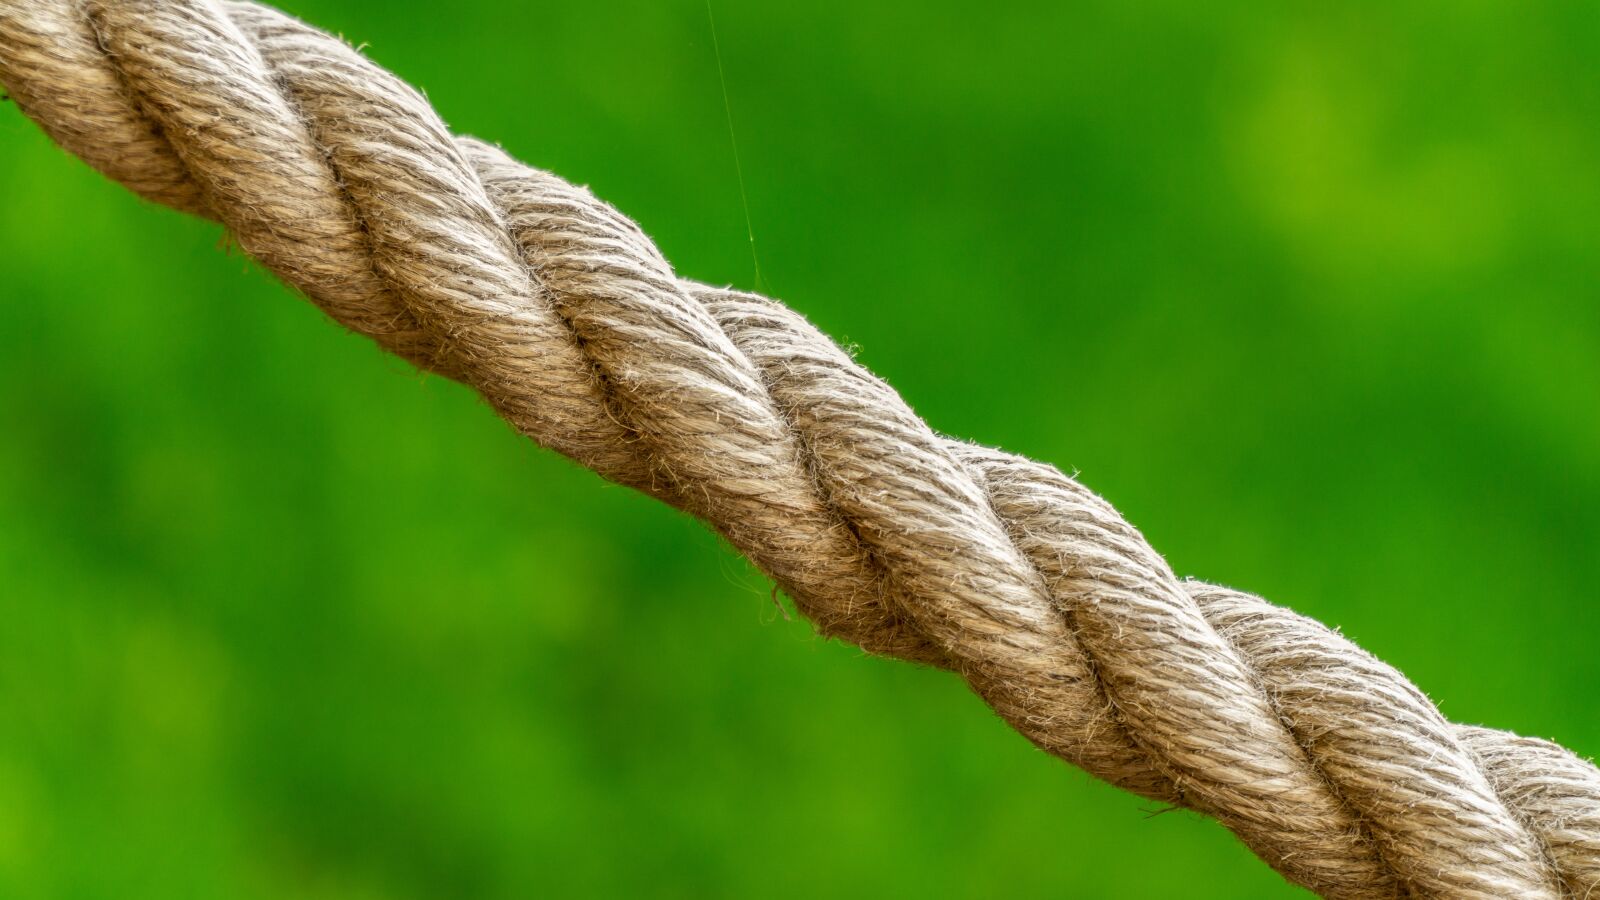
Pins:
x: 342, y: 180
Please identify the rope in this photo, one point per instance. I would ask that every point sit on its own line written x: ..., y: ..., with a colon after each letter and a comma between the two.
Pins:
x: 341, y: 179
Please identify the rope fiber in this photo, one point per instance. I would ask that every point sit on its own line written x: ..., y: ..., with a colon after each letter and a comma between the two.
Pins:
x: 342, y: 180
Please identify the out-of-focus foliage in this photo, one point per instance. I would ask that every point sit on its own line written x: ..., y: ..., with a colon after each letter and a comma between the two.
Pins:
x: 1309, y: 294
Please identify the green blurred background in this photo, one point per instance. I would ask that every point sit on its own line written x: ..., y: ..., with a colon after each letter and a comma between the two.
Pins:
x: 1308, y: 293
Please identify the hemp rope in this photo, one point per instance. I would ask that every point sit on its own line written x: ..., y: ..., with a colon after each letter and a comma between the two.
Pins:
x: 342, y: 180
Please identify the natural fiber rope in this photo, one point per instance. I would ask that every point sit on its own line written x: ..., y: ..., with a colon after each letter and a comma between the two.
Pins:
x: 342, y: 180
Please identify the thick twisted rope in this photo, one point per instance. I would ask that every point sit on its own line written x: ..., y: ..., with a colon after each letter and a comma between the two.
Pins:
x: 341, y: 179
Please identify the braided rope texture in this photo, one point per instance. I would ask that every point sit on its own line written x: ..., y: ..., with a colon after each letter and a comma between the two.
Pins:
x: 343, y: 181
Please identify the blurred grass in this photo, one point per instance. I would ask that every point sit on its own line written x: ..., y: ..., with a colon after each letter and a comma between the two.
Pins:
x: 1308, y: 293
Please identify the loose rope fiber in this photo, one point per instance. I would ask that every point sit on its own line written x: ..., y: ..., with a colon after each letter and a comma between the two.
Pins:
x: 341, y: 179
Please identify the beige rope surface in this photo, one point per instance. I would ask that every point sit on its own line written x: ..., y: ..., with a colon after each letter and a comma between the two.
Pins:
x: 1329, y: 764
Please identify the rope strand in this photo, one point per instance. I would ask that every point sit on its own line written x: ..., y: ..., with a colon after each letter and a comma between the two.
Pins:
x: 342, y: 180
